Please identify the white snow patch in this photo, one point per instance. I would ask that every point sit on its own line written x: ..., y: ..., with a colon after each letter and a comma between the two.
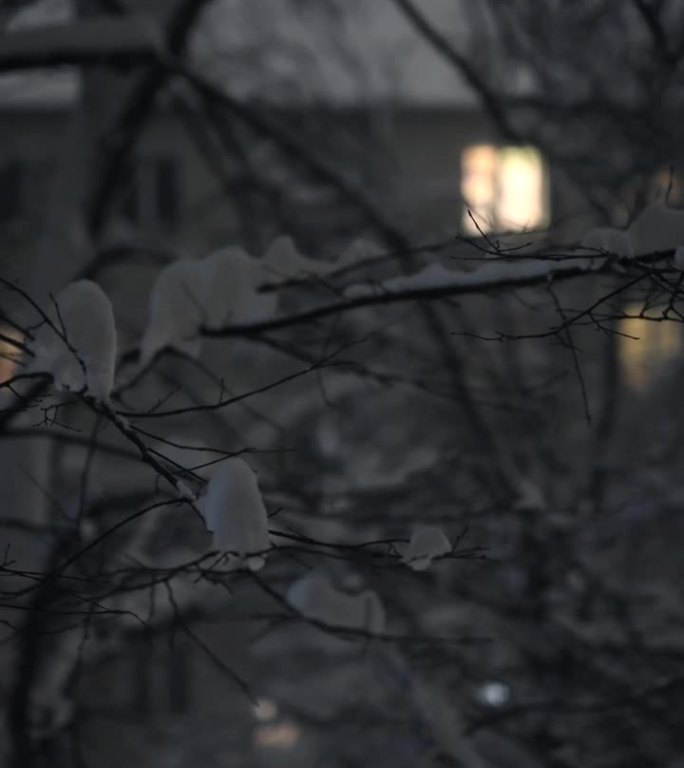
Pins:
x: 190, y: 294
x: 358, y: 251
x: 316, y: 598
x: 610, y: 240
x: 80, y: 350
x: 657, y: 228
x: 234, y: 511
x: 230, y: 279
x: 427, y: 543
x: 678, y: 260
x: 224, y: 288
x: 284, y: 260
x: 494, y: 694
x: 489, y: 275
x: 432, y: 276
x: 175, y: 310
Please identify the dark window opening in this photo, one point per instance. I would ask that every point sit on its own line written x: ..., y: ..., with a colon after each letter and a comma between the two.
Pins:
x: 150, y: 199
x: 161, y: 684
x: 12, y: 187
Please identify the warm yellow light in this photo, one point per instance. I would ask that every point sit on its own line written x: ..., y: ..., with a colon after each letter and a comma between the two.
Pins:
x: 646, y: 347
x: 478, y: 188
x: 522, y: 202
x: 9, y: 353
x: 503, y: 189
x: 277, y: 736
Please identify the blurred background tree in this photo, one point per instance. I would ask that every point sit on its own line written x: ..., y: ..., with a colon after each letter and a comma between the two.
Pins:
x: 445, y: 354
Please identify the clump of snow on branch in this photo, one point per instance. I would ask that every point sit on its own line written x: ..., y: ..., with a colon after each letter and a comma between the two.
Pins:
x: 490, y: 275
x: 427, y: 543
x: 188, y: 295
x: 610, y: 240
x: 678, y: 260
x: 657, y: 228
x: 224, y: 287
x: 175, y: 311
x: 234, y: 511
x: 431, y: 276
x: 78, y: 344
x: 284, y: 260
x: 230, y: 283
x: 314, y: 597
x: 358, y: 251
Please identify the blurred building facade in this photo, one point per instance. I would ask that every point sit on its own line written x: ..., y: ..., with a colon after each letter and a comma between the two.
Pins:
x: 434, y: 165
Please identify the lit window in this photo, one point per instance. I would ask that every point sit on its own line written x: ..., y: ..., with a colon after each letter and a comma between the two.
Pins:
x: 646, y: 347
x: 504, y: 189
x: 9, y: 352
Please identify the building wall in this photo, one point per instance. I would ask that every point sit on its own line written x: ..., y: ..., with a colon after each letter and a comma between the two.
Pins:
x: 421, y: 164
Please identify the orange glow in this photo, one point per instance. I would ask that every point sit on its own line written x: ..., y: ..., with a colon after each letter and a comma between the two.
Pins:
x: 277, y: 736
x: 9, y: 354
x: 646, y: 348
